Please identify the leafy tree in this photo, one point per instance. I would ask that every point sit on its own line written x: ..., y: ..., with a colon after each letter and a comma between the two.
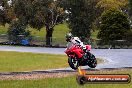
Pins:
x: 81, y: 14
x: 105, y: 5
x: 36, y: 13
x: 109, y: 4
x: 6, y: 13
x: 16, y: 27
x: 130, y: 9
x: 130, y: 6
x: 114, y: 25
x: 39, y: 14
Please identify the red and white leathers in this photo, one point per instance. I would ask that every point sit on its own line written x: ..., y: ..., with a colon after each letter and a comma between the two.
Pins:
x: 77, y: 41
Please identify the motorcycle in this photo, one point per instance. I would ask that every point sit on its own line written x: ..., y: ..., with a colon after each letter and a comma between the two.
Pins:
x: 79, y: 57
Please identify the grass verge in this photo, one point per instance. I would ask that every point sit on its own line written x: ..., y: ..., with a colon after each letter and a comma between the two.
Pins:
x: 17, y: 61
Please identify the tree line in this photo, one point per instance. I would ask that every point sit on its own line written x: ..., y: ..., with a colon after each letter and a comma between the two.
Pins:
x: 111, y: 17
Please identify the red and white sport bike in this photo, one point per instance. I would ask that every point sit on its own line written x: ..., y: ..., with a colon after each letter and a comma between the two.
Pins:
x: 79, y: 57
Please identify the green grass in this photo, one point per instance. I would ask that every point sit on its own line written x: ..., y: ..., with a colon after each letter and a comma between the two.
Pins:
x: 59, y: 31
x: 15, y: 61
x: 3, y: 29
x: 67, y: 82
x: 94, y: 34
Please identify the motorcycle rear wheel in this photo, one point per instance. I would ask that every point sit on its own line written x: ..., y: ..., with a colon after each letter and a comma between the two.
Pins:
x: 92, y: 63
x: 73, y: 62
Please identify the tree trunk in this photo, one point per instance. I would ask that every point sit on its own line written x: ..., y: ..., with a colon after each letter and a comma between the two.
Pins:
x: 49, y: 37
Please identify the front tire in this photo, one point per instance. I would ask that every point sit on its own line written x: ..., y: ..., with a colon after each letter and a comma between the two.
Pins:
x: 73, y: 63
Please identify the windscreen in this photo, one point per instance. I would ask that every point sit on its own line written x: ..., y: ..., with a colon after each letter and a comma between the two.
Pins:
x: 70, y: 45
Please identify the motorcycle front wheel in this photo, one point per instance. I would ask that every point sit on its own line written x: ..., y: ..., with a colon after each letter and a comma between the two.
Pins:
x: 73, y: 62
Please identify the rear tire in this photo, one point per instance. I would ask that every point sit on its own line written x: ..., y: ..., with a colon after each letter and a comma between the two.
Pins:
x: 73, y: 62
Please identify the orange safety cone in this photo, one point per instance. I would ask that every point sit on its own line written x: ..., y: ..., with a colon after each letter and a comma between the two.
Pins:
x: 81, y: 76
x: 81, y: 72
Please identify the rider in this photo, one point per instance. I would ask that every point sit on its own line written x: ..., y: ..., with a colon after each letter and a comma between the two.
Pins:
x: 75, y: 40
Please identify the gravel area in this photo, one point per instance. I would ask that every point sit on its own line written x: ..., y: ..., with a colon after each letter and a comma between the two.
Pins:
x: 56, y: 74
x: 36, y: 76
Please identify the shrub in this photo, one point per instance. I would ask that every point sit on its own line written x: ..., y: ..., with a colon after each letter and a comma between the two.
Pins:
x: 17, y: 31
x: 114, y: 26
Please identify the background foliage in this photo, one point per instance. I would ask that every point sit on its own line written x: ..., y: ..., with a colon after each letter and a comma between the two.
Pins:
x: 114, y: 25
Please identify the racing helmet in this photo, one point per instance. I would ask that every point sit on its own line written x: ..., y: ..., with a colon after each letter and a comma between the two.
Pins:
x: 68, y: 37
